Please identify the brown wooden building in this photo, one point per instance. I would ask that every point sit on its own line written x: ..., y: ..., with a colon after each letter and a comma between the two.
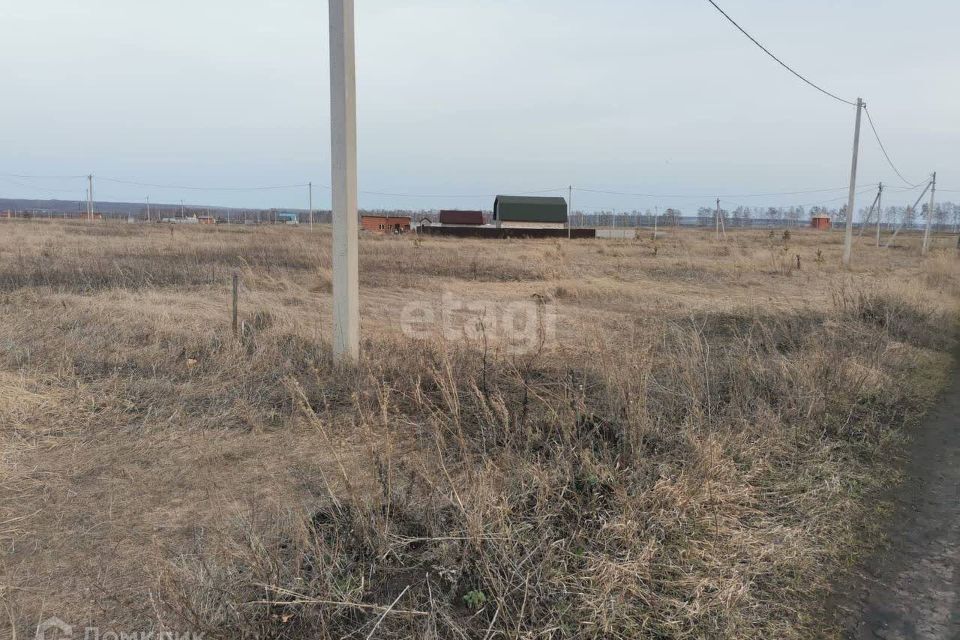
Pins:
x: 461, y: 217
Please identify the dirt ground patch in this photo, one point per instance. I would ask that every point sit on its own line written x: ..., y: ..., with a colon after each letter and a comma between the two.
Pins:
x: 910, y: 590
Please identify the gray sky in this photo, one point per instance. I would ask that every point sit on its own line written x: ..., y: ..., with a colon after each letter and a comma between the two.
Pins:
x: 476, y: 97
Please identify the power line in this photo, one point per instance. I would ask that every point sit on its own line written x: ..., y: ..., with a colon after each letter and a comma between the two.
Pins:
x: 884, y: 149
x: 456, y: 195
x: 729, y: 195
x: 192, y: 188
x: 907, y: 189
x: 781, y: 62
x: 868, y: 189
x: 36, y: 177
x: 36, y: 187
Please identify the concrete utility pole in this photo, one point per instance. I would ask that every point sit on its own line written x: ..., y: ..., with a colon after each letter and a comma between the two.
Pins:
x: 851, y: 203
x: 90, y: 198
x: 933, y: 199
x: 904, y: 221
x: 148, y: 208
x: 569, y: 212
x: 879, y: 213
x: 718, y: 219
x: 343, y: 137
x: 310, y: 186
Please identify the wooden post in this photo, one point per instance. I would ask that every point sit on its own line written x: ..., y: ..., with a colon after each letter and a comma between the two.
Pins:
x: 236, y: 295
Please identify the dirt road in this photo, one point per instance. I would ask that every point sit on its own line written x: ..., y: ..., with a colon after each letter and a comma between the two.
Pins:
x: 912, y: 589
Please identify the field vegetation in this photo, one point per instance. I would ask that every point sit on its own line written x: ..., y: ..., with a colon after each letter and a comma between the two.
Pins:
x: 695, y: 449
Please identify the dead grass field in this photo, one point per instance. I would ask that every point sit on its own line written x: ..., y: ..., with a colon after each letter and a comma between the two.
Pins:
x: 693, y: 454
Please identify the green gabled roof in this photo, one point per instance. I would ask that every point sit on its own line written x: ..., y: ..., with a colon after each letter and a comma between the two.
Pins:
x: 530, y: 209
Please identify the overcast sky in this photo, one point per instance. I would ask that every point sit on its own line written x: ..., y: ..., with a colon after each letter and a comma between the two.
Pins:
x: 476, y: 97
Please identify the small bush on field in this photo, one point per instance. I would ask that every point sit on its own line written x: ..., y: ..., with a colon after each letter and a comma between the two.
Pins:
x: 688, y: 486
x: 906, y: 318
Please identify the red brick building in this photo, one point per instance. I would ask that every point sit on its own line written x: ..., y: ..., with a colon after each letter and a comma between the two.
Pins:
x: 385, y: 224
x: 821, y: 221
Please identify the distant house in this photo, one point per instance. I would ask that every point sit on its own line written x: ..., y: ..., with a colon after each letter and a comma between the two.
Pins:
x: 519, y: 212
x: 464, y: 218
x: 288, y: 218
x: 821, y: 221
x: 385, y: 224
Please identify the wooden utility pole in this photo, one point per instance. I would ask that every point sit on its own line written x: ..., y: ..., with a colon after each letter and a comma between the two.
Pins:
x: 343, y: 137
x: 851, y: 202
x: 569, y: 212
x: 148, y: 208
x: 933, y: 199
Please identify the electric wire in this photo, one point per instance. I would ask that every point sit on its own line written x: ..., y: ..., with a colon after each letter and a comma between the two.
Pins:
x: 729, y: 195
x: 886, y: 155
x: 193, y: 188
x: 48, y: 190
x: 457, y: 195
x: 781, y: 62
x: 38, y: 177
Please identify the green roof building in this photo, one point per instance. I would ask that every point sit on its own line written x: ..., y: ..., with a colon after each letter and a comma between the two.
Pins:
x: 529, y: 212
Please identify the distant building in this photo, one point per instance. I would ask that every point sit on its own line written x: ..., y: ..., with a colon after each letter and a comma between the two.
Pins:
x: 821, y: 221
x: 464, y: 218
x: 519, y: 212
x: 288, y: 218
x: 385, y: 224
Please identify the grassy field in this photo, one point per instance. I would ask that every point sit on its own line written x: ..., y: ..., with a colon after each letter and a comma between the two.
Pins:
x: 544, y: 439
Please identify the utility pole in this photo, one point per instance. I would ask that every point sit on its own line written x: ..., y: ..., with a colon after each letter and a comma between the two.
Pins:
x: 879, y: 213
x: 933, y: 199
x: 343, y: 137
x: 569, y: 212
x: 851, y: 203
x: 718, y: 219
x: 182, y: 213
x: 310, y: 185
x: 90, y: 198
x: 873, y: 207
x: 148, y: 208
x: 904, y: 221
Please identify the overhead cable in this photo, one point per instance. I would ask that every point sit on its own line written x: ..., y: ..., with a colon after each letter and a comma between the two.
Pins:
x: 884, y: 149
x: 781, y: 62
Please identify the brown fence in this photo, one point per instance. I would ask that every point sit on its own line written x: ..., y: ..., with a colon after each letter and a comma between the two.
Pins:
x: 493, y: 233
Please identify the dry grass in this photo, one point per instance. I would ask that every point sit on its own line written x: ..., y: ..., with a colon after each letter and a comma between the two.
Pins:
x: 693, y: 457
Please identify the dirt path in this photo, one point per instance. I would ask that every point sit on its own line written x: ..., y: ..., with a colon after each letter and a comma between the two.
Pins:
x: 912, y: 589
